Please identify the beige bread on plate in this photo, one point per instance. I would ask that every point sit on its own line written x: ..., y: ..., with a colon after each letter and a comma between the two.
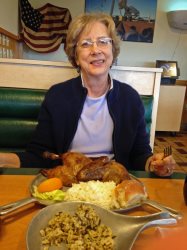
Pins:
x: 130, y: 192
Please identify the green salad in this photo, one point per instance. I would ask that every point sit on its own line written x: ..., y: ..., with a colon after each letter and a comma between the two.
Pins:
x: 56, y: 195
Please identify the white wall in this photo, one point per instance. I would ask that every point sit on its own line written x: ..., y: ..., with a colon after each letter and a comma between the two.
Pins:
x: 9, y: 15
x: 168, y: 43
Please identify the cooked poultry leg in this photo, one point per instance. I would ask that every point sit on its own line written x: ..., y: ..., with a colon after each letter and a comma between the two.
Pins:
x: 73, y: 163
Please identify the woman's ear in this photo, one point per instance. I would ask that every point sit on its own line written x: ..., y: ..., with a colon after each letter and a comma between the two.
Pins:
x: 77, y: 62
x: 76, y: 58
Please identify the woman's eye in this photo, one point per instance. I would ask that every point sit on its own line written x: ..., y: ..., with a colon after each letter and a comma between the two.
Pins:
x: 103, y: 42
x: 85, y: 44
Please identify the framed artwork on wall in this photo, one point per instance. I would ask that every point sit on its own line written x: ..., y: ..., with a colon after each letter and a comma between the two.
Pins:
x: 134, y: 19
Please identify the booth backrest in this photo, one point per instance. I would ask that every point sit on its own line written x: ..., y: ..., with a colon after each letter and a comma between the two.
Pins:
x: 148, y: 105
x: 18, y: 116
x: 19, y: 109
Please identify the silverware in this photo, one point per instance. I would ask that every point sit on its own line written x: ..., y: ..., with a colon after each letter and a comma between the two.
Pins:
x: 172, y: 212
x: 8, y: 208
x: 167, y: 151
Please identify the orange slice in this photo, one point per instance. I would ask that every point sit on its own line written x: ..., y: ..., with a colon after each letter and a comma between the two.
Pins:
x: 50, y: 184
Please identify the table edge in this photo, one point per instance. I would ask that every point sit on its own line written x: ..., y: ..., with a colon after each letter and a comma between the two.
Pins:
x: 35, y: 171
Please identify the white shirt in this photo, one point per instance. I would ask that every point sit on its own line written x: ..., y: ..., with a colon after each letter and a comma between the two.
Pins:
x: 95, y: 128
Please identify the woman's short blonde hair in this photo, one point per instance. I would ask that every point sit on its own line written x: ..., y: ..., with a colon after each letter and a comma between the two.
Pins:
x: 81, y: 23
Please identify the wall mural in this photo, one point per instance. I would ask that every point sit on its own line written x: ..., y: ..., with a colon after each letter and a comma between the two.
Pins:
x: 134, y: 19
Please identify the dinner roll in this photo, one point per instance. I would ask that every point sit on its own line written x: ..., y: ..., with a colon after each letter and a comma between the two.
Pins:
x: 130, y: 192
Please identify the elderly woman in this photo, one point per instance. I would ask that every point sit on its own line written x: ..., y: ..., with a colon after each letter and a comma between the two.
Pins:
x: 93, y: 113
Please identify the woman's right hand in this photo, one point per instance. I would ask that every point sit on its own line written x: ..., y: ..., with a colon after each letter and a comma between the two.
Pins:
x: 162, y: 166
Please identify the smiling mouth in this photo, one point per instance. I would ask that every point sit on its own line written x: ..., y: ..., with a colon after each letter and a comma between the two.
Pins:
x: 97, y: 62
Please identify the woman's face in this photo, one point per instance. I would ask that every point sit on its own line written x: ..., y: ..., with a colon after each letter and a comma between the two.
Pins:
x: 96, y: 59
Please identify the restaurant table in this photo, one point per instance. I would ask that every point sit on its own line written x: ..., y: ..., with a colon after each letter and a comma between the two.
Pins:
x: 14, y: 185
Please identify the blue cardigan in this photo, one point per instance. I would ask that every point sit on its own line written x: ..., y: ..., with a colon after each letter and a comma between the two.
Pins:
x: 58, y: 121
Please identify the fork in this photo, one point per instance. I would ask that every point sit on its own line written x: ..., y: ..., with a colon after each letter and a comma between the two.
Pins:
x: 167, y: 151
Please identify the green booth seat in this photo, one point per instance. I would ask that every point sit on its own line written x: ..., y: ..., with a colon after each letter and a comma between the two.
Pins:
x: 19, y: 109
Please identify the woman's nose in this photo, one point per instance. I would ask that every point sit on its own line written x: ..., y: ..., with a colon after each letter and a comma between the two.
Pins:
x: 95, y: 48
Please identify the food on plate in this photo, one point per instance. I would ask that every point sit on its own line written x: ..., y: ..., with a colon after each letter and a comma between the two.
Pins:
x: 107, y: 194
x: 72, y: 163
x: 63, y: 172
x: 78, y: 167
x: 97, y: 192
x: 101, y: 181
x: 130, y: 192
x: 82, y: 230
x: 50, y: 184
x: 75, y: 161
x: 56, y: 195
x: 110, y: 171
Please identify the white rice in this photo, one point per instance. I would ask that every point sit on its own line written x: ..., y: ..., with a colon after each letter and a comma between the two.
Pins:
x: 99, y: 193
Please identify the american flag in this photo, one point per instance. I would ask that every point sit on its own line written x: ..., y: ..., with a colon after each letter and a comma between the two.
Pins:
x: 45, y: 28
